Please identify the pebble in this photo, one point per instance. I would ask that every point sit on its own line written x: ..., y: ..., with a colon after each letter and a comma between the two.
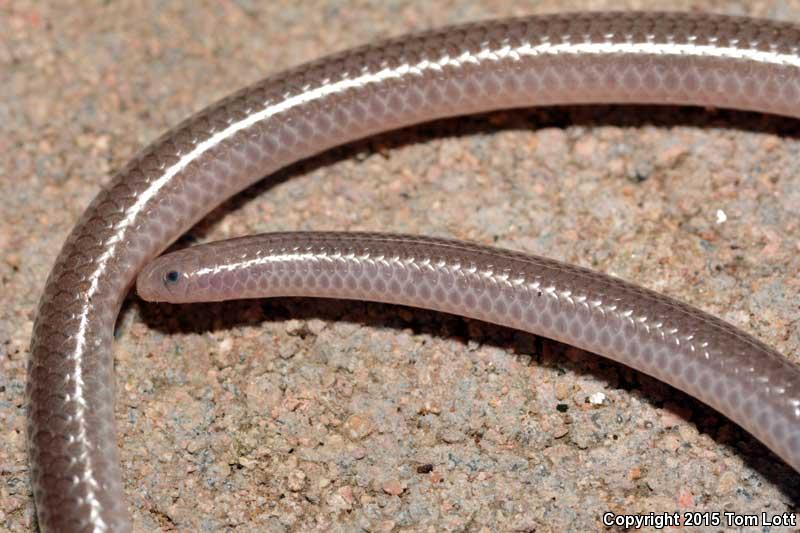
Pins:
x: 393, y: 487
x: 296, y: 480
x: 357, y: 427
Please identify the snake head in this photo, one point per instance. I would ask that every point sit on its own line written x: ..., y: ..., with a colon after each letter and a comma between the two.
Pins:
x: 165, y: 279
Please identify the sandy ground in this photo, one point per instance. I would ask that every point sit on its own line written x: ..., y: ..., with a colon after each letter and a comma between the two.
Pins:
x: 289, y: 415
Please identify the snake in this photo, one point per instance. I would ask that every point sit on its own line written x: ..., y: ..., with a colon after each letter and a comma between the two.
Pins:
x: 572, y: 58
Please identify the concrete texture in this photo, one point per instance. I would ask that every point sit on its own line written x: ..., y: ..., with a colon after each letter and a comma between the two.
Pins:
x: 292, y: 414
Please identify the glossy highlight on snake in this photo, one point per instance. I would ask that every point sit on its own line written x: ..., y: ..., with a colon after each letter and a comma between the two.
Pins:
x: 647, y: 58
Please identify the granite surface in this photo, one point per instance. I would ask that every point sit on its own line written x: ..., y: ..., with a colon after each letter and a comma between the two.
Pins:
x: 301, y: 414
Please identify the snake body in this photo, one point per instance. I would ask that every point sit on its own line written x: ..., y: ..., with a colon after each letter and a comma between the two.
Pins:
x: 650, y: 58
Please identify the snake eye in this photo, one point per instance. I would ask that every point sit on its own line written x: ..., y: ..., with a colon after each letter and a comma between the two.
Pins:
x: 171, y: 277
